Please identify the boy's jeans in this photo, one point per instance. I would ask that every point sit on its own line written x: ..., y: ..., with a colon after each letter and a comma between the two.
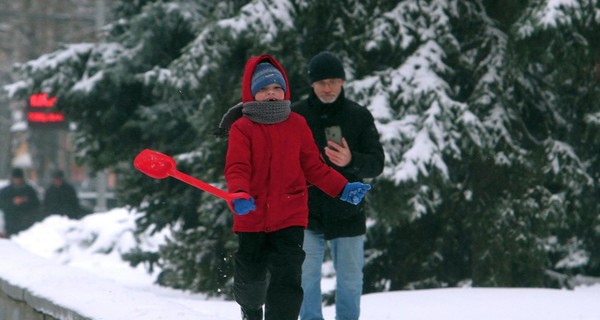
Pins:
x: 348, y: 261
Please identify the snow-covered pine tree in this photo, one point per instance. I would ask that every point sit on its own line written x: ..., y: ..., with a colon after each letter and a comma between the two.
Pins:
x: 485, y: 180
x: 459, y: 142
x: 555, y: 87
x: 435, y: 102
x: 520, y: 183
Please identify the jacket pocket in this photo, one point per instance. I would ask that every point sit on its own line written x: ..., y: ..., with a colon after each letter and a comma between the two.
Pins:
x: 296, y: 199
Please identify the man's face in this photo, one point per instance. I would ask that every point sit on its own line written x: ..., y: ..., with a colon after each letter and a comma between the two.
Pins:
x: 57, y: 181
x: 328, y: 90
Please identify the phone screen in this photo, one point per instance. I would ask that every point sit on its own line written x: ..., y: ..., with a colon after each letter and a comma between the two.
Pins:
x: 334, y: 134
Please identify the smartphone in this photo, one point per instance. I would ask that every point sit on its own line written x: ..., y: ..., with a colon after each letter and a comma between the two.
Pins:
x: 334, y: 134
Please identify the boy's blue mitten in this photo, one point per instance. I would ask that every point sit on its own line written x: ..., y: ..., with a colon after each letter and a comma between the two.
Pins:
x: 354, y: 192
x: 243, y: 206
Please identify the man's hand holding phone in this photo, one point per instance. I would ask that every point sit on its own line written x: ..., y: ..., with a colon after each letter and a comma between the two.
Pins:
x: 337, y: 149
x: 339, y: 155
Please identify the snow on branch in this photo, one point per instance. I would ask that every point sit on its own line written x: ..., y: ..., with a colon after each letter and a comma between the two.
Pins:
x: 552, y: 14
x: 75, y: 66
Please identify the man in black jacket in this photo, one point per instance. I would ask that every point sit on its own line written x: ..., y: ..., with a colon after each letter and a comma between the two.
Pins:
x: 333, y: 222
x: 20, y: 204
x: 61, y: 198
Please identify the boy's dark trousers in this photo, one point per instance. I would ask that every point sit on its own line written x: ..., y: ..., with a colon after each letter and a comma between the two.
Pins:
x: 278, y: 254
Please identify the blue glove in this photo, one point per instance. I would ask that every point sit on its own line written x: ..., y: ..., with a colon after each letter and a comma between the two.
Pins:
x: 243, y: 206
x: 354, y: 192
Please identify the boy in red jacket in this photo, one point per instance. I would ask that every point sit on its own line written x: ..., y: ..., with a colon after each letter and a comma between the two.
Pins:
x: 271, y: 155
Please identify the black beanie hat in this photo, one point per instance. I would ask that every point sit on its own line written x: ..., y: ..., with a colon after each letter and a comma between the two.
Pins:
x: 59, y: 174
x: 17, y: 173
x: 325, y: 66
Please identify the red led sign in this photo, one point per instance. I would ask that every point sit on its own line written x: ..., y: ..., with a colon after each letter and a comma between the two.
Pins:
x: 45, y: 117
x: 40, y: 112
x: 41, y: 100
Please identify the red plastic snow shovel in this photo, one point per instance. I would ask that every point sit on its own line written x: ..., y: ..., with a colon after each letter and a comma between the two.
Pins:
x: 160, y: 166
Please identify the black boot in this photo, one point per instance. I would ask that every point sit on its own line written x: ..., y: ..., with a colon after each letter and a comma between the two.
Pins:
x: 252, y: 314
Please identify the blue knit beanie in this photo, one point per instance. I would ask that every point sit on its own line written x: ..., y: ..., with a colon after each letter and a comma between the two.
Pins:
x: 264, y: 75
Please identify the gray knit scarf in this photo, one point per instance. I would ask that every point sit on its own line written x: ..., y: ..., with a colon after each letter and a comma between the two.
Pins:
x: 266, y: 112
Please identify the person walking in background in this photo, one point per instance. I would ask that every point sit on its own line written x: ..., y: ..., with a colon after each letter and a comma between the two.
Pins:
x: 270, y: 157
x: 357, y: 154
x: 20, y: 203
x: 61, y: 198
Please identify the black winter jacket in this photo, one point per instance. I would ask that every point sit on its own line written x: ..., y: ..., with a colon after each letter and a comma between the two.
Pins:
x: 19, y: 217
x: 332, y: 216
x: 62, y: 199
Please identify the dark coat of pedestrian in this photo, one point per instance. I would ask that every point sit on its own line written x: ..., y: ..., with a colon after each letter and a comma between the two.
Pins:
x: 329, y: 215
x: 20, y: 203
x: 346, y: 135
x: 61, y: 198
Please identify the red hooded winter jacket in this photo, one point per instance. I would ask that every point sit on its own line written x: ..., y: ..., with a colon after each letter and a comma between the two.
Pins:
x: 272, y: 163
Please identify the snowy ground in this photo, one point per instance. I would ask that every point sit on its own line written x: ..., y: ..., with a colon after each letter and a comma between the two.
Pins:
x: 94, y: 243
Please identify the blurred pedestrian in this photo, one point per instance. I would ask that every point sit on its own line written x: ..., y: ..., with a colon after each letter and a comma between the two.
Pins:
x: 355, y: 151
x: 270, y: 157
x: 20, y: 203
x: 61, y: 198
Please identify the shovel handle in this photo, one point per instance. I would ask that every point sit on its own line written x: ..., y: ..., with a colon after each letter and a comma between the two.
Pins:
x: 206, y: 187
x: 209, y: 188
x: 160, y: 166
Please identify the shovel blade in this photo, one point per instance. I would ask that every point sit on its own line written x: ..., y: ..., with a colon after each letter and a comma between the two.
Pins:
x: 154, y: 164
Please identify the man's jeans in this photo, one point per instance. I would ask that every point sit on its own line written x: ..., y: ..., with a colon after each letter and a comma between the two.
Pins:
x: 348, y: 261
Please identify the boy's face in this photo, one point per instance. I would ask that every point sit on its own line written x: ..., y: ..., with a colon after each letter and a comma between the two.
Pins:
x: 272, y: 92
